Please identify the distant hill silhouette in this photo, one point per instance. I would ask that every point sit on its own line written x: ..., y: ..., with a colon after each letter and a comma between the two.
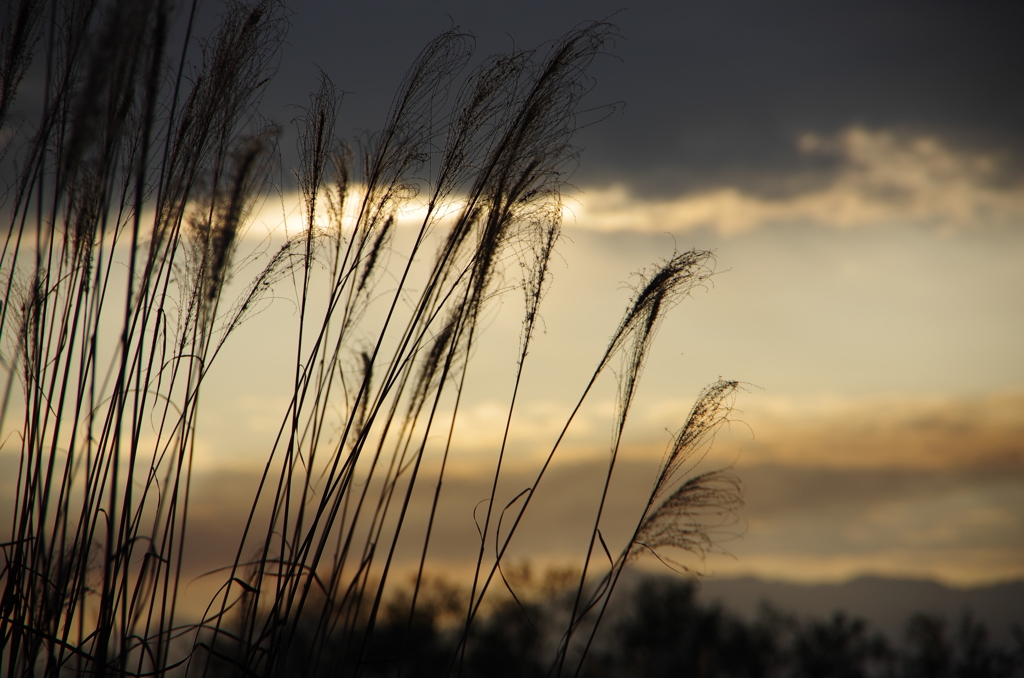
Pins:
x: 885, y: 604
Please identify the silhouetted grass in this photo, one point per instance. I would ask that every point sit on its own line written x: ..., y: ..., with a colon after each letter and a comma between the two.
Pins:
x: 130, y: 196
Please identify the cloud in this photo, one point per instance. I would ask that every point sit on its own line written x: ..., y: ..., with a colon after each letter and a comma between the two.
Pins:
x: 805, y: 520
x: 831, y: 524
x: 713, y: 92
x: 895, y: 432
x: 882, y: 178
x: 801, y: 523
x: 899, y: 432
x: 937, y: 507
x: 869, y: 178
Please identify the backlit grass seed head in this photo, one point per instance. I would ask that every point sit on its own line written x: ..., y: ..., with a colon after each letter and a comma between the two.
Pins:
x: 316, y: 143
x: 376, y: 249
x: 288, y: 258
x: 709, y: 413
x: 669, y: 284
x: 87, y: 197
x: 32, y: 310
x: 20, y: 34
x: 337, y: 196
x: 107, y: 90
x: 693, y: 516
x: 214, y: 227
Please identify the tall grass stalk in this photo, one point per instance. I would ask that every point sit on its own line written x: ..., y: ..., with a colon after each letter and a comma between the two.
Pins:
x: 131, y: 193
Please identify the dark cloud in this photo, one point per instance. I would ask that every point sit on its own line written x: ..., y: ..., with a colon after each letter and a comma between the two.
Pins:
x: 714, y: 93
x: 722, y: 90
x: 710, y: 94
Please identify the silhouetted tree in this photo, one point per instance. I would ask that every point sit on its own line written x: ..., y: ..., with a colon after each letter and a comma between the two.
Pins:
x: 840, y: 648
x: 665, y: 633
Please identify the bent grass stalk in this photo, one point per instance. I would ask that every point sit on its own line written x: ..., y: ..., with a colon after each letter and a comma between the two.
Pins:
x: 132, y: 192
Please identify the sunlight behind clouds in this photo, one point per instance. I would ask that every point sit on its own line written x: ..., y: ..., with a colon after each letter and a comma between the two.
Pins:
x: 884, y: 178
x: 881, y: 178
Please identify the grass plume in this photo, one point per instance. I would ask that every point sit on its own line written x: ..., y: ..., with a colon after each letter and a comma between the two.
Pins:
x: 124, y: 241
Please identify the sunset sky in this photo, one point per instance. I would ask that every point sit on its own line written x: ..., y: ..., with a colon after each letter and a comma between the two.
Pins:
x: 858, y: 170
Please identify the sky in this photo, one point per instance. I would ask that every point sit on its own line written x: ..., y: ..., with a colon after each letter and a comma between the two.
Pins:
x: 858, y: 170
x: 857, y: 167
x: 878, y: 432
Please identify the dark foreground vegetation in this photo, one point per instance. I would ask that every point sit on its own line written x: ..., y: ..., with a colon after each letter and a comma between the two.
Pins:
x: 658, y: 628
x: 134, y: 156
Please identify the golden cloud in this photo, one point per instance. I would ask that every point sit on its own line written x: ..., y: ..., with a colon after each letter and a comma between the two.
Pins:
x: 894, y: 431
x: 911, y: 432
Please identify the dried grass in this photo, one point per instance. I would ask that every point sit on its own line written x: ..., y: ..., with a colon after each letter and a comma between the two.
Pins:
x: 114, y: 319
